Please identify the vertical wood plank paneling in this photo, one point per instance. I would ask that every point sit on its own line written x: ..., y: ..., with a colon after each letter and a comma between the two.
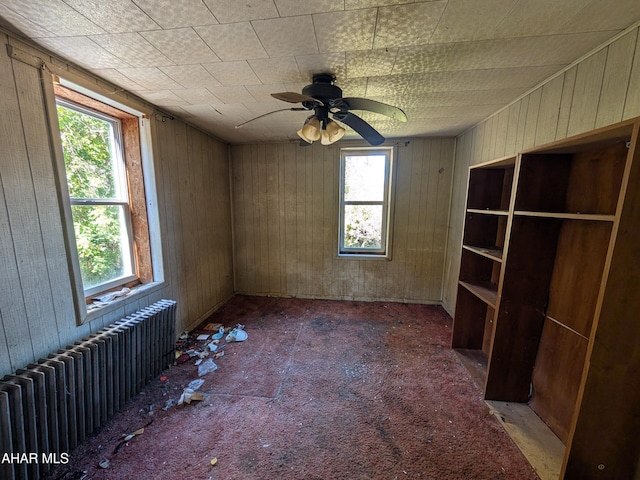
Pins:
x: 565, y: 104
x: 616, y: 80
x: 442, y: 207
x: 584, y: 106
x: 430, y: 260
x: 290, y: 209
x: 415, y: 192
x: 306, y: 210
x: 36, y: 134
x: 548, y: 113
x: 532, y: 119
x: 23, y: 279
x: 512, y: 129
x: 397, y: 269
x: 501, y: 139
x: 522, y: 121
x: 632, y: 101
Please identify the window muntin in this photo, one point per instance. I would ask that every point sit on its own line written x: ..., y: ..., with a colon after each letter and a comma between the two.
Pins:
x: 365, y: 186
x: 97, y: 184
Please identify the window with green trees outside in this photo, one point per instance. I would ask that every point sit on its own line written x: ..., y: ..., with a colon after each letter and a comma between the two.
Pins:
x: 365, y: 192
x: 97, y: 184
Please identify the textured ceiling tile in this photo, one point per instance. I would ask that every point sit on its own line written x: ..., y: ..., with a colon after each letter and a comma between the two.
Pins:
x: 603, y: 15
x: 162, y: 97
x: 191, y: 76
x: 196, y: 96
x: 464, y: 20
x: 276, y: 70
x: 538, y: 17
x: 500, y: 53
x: 232, y: 74
x: 410, y: 24
x: 334, y: 63
x: 461, y: 80
x: 150, y: 78
x: 228, y: 11
x: 182, y: 45
x: 235, y: 41
x: 114, y: 76
x: 353, y: 87
x: 83, y: 51
x: 14, y: 22
x: 172, y: 14
x: 345, y: 31
x: 282, y: 37
x: 114, y: 16
x: 133, y: 48
x: 370, y: 63
x: 262, y: 93
x: 425, y: 58
x: 237, y: 94
x: 54, y: 15
x: 289, y: 8
x: 387, y: 85
x: 358, y: 4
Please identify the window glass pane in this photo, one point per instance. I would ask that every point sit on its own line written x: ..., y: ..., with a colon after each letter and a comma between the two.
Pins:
x: 87, y: 144
x: 364, y: 178
x: 103, y: 243
x: 363, y: 226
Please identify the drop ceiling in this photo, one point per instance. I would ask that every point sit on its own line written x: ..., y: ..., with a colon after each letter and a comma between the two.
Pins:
x: 447, y: 63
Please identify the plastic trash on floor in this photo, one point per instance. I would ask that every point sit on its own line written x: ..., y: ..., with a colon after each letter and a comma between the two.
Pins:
x: 237, y: 334
x: 206, y: 367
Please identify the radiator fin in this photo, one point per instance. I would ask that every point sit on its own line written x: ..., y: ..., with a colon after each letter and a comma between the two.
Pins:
x: 51, y: 406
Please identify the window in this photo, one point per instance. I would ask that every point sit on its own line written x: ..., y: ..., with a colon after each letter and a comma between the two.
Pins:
x: 365, y: 192
x: 97, y: 183
x: 109, y: 218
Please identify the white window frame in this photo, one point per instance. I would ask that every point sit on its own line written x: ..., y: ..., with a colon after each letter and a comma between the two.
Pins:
x: 122, y: 199
x: 384, y: 251
x: 89, y: 88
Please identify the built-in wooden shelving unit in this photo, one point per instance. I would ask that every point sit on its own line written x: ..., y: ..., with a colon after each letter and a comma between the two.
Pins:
x: 549, y: 292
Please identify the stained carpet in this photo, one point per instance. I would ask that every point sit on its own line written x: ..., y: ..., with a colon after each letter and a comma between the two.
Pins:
x: 319, y: 390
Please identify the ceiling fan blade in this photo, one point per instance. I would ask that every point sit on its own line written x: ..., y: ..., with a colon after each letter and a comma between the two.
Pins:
x: 294, y: 109
x: 365, y: 130
x: 293, y: 97
x: 357, y: 103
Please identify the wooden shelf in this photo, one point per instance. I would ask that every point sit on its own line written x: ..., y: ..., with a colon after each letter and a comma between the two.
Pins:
x: 488, y: 212
x: 567, y: 216
x: 475, y: 361
x: 490, y: 252
x: 485, y: 291
x: 526, y: 323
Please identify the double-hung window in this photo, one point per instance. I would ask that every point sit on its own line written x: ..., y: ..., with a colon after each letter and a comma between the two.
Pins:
x: 107, y: 191
x: 365, y: 197
x: 97, y: 182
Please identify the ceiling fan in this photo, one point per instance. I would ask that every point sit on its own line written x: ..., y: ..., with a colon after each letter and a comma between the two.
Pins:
x: 325, y: 100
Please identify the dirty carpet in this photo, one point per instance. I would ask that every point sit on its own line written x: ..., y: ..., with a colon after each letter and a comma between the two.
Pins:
x: 319, y: 390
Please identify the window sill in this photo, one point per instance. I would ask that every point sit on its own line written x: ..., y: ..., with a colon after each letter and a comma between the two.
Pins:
x: 96, y: 310
x: 363, y: 256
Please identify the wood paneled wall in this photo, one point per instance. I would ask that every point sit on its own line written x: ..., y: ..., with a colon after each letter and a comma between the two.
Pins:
x: 37, y: 315
x: 601, y: 89
x: 285, y: 217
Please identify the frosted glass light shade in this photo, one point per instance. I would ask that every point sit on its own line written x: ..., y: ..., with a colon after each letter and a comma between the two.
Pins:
x: 335, y: 131
x: 310, y: 132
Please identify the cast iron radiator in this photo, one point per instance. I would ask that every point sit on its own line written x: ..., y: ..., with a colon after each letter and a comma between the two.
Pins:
x: 51, y: 406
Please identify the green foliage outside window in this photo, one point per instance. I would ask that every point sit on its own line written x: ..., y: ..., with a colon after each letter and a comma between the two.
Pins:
x: 91, y: 174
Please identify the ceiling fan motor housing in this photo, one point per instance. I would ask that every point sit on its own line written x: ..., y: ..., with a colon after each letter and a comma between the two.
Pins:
x: 323, y: 88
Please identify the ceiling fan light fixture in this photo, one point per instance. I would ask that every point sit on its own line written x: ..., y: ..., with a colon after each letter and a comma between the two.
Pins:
x: 310, y: 132
x: 334, y: 132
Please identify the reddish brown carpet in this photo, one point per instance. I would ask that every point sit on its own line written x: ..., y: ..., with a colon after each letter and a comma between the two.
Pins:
x: 320, y: 390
